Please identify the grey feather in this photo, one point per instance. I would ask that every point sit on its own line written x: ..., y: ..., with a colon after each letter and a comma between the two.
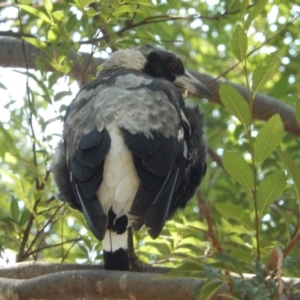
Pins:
x: 61, y: 176
x: 133, y: 110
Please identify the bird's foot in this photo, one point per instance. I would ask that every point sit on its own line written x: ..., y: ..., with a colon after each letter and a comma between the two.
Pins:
x: 135, y: 264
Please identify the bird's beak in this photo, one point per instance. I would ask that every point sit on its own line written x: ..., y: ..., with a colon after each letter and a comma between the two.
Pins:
x: 188, y: 82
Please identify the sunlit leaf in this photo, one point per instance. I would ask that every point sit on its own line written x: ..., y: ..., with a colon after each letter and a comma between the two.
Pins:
x: 58, y: 15
x: 244, y: 6
x: 126, y: 9
x: 141, y: 2
x: 53, y: 35
x: 268, y: 139
x: 235, y: 103
x: 48, y: 6
x: 239, y: 43
x: 264, y: 71
x: 235, y: 212
x: 239, y: 170
x: 36, y: 12
x: 255, y: 10
x: 38, y: 44
x: 270, y: 188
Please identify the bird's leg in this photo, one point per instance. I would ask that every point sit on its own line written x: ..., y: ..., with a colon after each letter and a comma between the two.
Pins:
x: 135, y: 264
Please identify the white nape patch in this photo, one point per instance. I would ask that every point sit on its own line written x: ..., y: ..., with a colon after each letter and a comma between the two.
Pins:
x: 127, y: 59
x: 120, y: 181
x: 113, y: 241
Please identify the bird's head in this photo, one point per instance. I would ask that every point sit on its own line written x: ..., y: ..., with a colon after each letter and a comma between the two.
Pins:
x: 157, y: 63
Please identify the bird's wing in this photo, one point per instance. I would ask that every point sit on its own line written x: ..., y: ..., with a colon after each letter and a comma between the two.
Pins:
x: 196, y: 164
x: 147, y: 111
x: 159, y: 163
x: 86, y: 173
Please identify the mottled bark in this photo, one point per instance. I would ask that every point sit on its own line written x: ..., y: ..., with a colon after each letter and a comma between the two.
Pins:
x: 39, y: 280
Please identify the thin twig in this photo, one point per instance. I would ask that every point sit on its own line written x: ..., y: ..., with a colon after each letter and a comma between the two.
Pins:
x: 27, y: 230
x: 50, y: 220
x: 279, y: 274
x: 205, y: 209
x: 215, y: 157
x: 68, y: 251
x: 291, y: 245
x: 53, y: 245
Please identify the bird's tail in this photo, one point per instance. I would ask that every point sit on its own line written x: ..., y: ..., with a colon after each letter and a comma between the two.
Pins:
x: 115, y: 251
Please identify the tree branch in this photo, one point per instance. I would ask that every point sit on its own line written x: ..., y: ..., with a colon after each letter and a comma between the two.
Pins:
x: 264, y: 106
x: 35, y: 280
x: 98, y: 284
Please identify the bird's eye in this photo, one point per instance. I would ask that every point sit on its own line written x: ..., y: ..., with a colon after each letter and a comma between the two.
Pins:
x: 172, y: 65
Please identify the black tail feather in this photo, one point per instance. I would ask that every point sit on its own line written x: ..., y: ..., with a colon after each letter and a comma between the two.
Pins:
x: 117, y: 260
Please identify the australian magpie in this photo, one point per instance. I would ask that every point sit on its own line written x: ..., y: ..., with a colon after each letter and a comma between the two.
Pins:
x: 132, y: 152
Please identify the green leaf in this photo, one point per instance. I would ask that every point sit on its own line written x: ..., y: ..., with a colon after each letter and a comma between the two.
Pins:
x: 36, y: 12
x: 235, y: 103
x: 71, y: 23
x: 239, y: 43
x: 126, y: 9
x: 268, y: 139
x: 239, y: 170
x: 14, y: 210
x: 48, y: 6
x: 40, y: 83
x: 58, y: 15
x: 141, y: 2
x: 24, y: 217
x: 209, y: 289
x: 297, y: 112
x: 61, y: 95
x: 244, y: 6
x: 227, y: 297
x: 233, y: 5
x: 87, y: 2
x: 258, y: 7
x: 2, y: 86
x: 38, y: 44
x: 264, y: 71
x: 229, y: 262
x: 269, y: 189
x: 242, y: 255
x: 293, y: 170
x: 236, y: 213
x: 53, y: 35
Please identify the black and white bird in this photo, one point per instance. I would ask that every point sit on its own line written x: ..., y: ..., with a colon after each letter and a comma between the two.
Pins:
x: 132, y: 152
